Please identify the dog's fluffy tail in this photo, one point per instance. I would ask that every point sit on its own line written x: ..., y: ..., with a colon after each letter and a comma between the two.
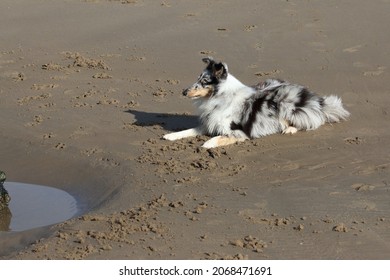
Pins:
x: 333, y: 109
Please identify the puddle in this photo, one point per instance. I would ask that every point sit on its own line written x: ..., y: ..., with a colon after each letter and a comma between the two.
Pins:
x: 34, y: 206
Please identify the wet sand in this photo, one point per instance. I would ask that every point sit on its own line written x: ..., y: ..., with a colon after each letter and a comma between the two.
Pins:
x: 89, y: 87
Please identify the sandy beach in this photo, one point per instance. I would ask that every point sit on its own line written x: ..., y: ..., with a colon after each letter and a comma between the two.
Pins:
x: 88, y: 88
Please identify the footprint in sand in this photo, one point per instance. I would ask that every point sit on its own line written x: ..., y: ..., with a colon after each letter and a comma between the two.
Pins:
x: 290, y: 166
x: 52, y: 67
x: 102, y: 76
x: 47, y: 105
x: 250, y: 27
x: 43, y: 86
x: 354, y: 140
x: 38, y: 119
x: 60, y: 146
x: 49, y: 135
x: 107, y: 162
x: 14, y: 75
x: 27, y: 99
x: 268, y: 73
x: 379, y: 71
x: 374, y: 169
x: 91, y: 151
x: 360, y: 187
x: 353, y: 49
x: 366, y: 205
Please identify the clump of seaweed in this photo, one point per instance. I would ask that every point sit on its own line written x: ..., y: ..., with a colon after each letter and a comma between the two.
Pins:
x: 4, y: 196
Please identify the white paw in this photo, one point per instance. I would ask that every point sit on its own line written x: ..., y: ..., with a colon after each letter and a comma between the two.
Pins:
x: 290, y: 130
x: 212, y: 143
x: 170, y: 136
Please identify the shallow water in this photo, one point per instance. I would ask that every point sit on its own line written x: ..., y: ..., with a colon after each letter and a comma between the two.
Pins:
x: 34, y: 206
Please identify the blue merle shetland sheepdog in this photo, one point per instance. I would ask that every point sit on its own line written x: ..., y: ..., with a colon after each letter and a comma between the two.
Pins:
x: 231, y: 112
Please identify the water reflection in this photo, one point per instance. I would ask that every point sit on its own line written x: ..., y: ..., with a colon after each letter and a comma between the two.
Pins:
x: 35, y: 206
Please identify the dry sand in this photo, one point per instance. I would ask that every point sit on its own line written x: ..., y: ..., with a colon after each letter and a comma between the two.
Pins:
x: 89, y: 87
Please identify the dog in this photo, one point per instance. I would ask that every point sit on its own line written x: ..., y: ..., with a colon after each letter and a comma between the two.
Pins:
x: 232, y: 112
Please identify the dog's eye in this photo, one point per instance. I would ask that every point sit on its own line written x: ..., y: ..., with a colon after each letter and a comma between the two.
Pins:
x: 205, y: 81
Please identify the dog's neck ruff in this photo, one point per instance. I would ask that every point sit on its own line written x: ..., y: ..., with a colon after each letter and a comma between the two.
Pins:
x: 230, y: 85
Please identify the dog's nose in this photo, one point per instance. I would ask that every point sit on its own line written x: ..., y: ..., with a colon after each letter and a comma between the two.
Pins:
x: 185, y: 91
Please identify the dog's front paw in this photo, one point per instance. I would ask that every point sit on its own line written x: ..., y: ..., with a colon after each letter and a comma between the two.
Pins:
x: 290, y: 130
x: 170, y: 137
x: 212, y: 143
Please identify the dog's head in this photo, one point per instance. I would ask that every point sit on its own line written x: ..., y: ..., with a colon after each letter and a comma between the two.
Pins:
x: 209, y: 79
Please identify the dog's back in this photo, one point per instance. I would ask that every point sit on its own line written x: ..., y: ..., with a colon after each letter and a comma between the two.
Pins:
x: 278, y: 105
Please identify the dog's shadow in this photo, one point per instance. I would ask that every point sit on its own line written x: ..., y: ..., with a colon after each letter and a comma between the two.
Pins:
x: 170, y: 122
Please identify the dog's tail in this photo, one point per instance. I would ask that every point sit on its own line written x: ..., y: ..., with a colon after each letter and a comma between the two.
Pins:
x: 333, y: 109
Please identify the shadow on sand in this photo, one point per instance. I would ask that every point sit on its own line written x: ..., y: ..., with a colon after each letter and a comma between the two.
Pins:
x: 170, y: 122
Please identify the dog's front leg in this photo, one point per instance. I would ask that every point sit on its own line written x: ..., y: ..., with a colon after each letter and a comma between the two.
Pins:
x: 192, y: 132
x: 218, y: 141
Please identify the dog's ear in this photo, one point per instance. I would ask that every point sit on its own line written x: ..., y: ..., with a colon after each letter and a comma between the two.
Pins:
x: 208, y: 60
x: 220, y: 70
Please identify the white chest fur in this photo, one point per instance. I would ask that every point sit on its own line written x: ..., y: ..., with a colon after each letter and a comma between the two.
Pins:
x: 224, y: 107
